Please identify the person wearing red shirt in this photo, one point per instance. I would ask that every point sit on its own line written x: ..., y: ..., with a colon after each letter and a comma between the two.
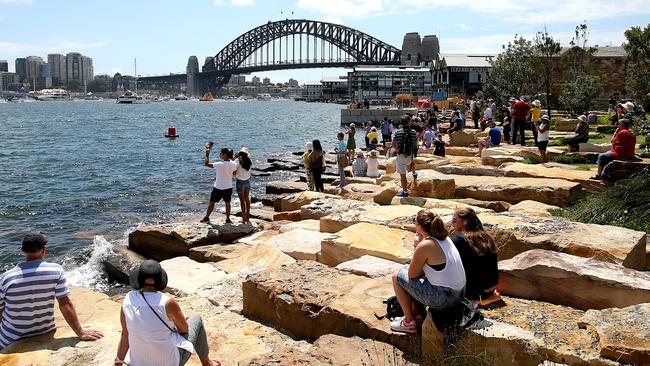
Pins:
x: 623, y: 144
x: 520, y: 112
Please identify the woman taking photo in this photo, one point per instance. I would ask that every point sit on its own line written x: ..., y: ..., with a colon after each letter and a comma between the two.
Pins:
x: 243, y: 184
x: 154, y: 329
x: 317, y: 166
x: 435, y: 277
x: 478, y: 253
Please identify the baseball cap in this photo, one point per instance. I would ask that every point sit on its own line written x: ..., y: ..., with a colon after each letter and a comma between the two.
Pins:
x: 33, y: 242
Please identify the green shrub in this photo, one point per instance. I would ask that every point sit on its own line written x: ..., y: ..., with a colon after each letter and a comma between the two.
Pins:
x: 625, y: 204
x: 569, y: 159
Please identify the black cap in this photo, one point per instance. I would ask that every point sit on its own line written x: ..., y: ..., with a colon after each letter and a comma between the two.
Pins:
x: 149, y: 269
x: 33, y: 242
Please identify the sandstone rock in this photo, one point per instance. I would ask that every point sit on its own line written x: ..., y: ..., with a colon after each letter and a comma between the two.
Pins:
x: 551, y: 171
x: 309, y: 299
x: 434, y: 203
x: 623, y: 334
x: 556, y: 192
x: 569, y: 280
x: 218, y: 252
x: 265, y: 199
x: 360, y: 180
x: 280, y: 187
x: 287, y: 216
x: 224, y: 291
x: 497, y: 206
x: 313, y: 225
x: 471, y: 170
x: 166, y: 241
x: 300, y: 243
x: 532, y: 208
x: 497, y: 160
x: 295, y: 201
x: 361, y: 191
x: 398, y: 217
x: 566, y: 125
x: 370, y: 266
x: 619, y: 169
x: 589, y: 147
x: 429, y: 183
x: 323, y: 207
x: 185, y: 276
x: 466, y: 137
x: 260, y: 214
x: 523, y: 332
x: 459, y: 151
x: 260, y: 257
x: 257, y: 238
x: 367, y: 239
x: 421, y: 163
x: 120, y: 262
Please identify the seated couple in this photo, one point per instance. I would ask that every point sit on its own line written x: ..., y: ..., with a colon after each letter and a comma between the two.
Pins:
x: 443, y: 270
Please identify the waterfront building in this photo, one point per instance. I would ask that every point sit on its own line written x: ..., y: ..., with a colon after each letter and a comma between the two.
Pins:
x: 313, y: 90
x: 9, y: 81
x: 293, y: 83
x: 335, y: 88
x: 122, y: 82
x: 56, y: 69
x: 385, y: 82
x: 256, y: 80
x: 34, y: 66
x: 461, y: 75
x: 21, y: 68
x: 4, y: 66
x: 266, y: 81
x: 78, y: 68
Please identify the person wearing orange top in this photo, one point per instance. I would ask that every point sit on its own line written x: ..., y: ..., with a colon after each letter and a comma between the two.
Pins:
x: 623, y: 144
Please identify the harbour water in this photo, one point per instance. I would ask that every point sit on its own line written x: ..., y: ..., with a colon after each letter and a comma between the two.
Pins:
x: 87, y: 172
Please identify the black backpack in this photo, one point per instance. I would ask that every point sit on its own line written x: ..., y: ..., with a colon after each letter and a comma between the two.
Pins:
x: 406, y: 147
x: 393, y: 309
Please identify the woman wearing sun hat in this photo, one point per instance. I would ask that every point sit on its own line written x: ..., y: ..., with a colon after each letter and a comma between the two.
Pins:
x: 154, y: 329
x: 352, y: 144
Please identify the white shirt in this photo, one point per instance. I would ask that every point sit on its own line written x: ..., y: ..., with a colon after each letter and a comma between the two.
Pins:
x: 373, y: 167
x: 543, y: 136
x: 453, y: 275
x: 224, y: 170
x: 488, y: 113
x: 242, y: 174
x: 150, y: 341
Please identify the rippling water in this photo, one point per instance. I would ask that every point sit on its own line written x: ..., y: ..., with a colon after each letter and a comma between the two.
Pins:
x: 86, y: 172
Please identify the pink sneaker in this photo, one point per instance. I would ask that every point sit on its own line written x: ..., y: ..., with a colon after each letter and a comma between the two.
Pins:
x: 399, y: 325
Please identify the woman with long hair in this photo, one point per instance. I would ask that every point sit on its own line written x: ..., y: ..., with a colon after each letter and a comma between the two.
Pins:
x: 243, y: 184
x: 435, y: 277
x: 478, y: 253
x: 317, y: 166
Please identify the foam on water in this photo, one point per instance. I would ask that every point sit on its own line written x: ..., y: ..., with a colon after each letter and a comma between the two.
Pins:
x: 90, y: 272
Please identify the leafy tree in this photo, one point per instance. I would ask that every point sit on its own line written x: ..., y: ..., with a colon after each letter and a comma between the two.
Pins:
x: 546, y: 47
x: 98, y: 86
x: 579, y: 96
x: 637, y: 79
x: 512, y: 72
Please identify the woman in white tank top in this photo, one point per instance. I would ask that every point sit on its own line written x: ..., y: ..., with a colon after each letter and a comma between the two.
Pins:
x: 435, y: 277
x: 154, y: 330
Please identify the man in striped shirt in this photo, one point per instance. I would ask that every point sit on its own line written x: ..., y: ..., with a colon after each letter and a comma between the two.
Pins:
x: 27, y: 294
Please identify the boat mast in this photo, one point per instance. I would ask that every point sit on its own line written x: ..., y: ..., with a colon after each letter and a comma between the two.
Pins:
x: 135, y: 71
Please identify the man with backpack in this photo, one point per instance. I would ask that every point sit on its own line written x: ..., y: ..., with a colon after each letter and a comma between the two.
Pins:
x: 405, y: 144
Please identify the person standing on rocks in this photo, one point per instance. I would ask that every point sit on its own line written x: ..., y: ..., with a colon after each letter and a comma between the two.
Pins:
x: 405, y: 143
x: 222, y: 189
x: 373, y: 138
x: 535, y: 117
x: 243, y: 183
x: 386, y: 131
x: 434, y: 278
x: 352, y: 144
x: 543, y: 136
x: 27, y: 294
x: 307, y: 162
x: 341, y: 159
x: 317, y: 165
x: 154, y: 330
x: 519, y: 114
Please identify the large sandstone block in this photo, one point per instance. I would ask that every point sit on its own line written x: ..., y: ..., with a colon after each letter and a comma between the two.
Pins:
x: 459, y: 151
x: 421, y: 163
x: 434, y: 203
x: 186, y: 276
x: 623, y: 334
x: 370, y: 266
x: 323, y: 207
x: 554, y: 171
x: 300, y: 243
x: 481, y: 170
x: 564, y: 279
x: 218, y: 252
x: 429, y: 183
x: 313, y: 225
x: 589, y: 147
x: 295, y: 201
x: 120, y: 262
x: 310, y: 299
x: 398, y: 217
x: 280, y: 187
x: 166, y: 241
x: 619, y: 169
x: 533, y: 208
x: 258, y: 258
x: 556, y: 192
x: 523, y: 332
x: 466, y: 137
x: 361, y: 191
x: 366, y: 239
x: 497, y: 206
x: 566, y: 125
x: 497, y: 160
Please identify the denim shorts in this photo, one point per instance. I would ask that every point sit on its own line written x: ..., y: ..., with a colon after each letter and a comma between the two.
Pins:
x: 435, y: 297
x: 243, y: 186
x: 605, y: 158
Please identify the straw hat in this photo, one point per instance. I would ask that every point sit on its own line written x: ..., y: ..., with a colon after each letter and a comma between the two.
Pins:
x: 537, y: 103
x: 374, y: 153
x: 309, y: 146
x: 245, y: 150
x: 360, y: 154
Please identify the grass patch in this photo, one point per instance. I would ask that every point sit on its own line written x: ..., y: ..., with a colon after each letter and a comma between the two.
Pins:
x: 585, y: 167
x: 625, y: 204
x: 603, y: 120
x: 601, y: 138
x: 569, y: 159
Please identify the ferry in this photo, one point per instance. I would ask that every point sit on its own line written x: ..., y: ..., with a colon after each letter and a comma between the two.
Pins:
x: 53, y: 94
x: 128, y: 97
x: 264, y: 96
x: 180, y: 97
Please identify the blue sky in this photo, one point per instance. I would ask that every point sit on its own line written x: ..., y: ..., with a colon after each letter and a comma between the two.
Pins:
x: 163, y: 34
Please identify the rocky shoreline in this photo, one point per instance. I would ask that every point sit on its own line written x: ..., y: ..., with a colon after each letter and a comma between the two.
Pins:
x: 301, y: 283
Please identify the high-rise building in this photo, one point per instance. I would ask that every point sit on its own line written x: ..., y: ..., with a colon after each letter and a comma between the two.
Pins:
x: 9, y: 80
x: 4, y: 66
x: 256, y: 80
x: 293, y: 83
x: 78, y: 68
x: 21, y: 68
x: 266, y: 81
x: 34, y: 68
x: 88, y: 73
x: 56, y: 68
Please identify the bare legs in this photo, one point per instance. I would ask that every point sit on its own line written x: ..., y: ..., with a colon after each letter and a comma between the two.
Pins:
x: 210, y: 209
x: 245, y: 203
x: 409, y: 306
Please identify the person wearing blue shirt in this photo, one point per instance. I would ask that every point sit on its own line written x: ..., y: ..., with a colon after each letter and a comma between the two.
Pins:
x: 493, y: 139
x: 341, y: 159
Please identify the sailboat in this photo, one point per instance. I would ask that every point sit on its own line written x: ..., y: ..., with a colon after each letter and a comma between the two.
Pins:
x: 130, y: 97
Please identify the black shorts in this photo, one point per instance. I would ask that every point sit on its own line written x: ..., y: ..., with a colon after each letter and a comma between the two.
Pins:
x: 219, y: 194
x: 541, y: 145
x: 386, y: 138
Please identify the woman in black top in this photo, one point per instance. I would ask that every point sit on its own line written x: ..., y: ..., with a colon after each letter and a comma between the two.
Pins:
x: 317, y: 166
x: 478, y: 253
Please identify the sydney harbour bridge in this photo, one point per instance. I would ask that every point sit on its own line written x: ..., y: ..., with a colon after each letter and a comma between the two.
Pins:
x: 282, y: 45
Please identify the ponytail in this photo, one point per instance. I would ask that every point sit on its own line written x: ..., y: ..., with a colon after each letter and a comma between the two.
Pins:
x: 432, y: 224
x: 245, y: 161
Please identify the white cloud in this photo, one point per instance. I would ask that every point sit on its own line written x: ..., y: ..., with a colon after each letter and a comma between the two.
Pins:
x: 524, y: 11
x: 464, y: 27
x: 13, y: 49
x: 234, y: 2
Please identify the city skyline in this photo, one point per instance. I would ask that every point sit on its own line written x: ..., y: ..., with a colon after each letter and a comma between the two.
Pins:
x: 163, y: 35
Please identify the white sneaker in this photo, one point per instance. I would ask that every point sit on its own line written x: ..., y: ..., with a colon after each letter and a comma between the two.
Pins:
x: 399, y: 325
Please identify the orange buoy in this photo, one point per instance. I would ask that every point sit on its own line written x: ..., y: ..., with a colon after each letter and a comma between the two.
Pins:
x: 171, y: 132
